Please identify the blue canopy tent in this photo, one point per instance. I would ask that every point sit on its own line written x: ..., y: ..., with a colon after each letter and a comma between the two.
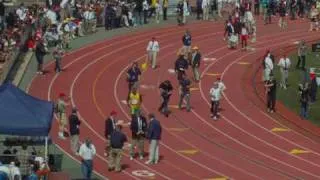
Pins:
x: 22, y: 114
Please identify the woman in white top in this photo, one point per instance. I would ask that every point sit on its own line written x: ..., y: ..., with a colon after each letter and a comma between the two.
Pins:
x: 284, y: 64
x: 215, y: 95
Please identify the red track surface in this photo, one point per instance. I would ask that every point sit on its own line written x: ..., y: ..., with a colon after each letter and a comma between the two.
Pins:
x: 240, y: 145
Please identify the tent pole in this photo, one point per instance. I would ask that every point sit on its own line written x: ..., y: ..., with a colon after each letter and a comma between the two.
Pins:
x: 46, y: 149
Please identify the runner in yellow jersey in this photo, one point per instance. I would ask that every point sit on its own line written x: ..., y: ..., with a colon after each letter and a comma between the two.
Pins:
x: 134, y: 101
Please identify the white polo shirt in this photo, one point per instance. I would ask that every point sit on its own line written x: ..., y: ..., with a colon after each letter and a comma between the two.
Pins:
x: 284, y: 63
x: 215, y: 94
x: 87, y: 153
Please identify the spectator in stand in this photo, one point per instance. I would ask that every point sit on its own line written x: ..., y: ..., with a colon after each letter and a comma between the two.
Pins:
x: 87, y: 152
x: 14, y: 170
x: 158, y: 11
x: 293, y: 9
x: 31, y: 44
x: 2, y: 15
x: 199, y: 8
x: 180, y: 13
x: 145, y: 6
x: 117, y: 140
x: 154, y: 136
x: 257, y: 7
x: 165, y: 4
x: 314, y: 13
x: 110, y: 15
x: 23, y: 158
x: 74, y: 128
x: 22, y: 12
x: 205, y: 9
x: 57, y: 55
x: 64, y: 11
x: 41, y: 51
x: 51, y: 15
x: 138, y: 128
x: 11, y: 20
x: 138, y: 12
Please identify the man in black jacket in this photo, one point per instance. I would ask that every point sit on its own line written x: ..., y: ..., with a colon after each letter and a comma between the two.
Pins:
x: 271, y: 89
x: 181, y: 65
x: 166, y: 91
x: 154, y: 136
x: 195, y: 63
x: 117, y: 140
x: 138, y: 128
x: 110, y: 126
x: 74, y: 123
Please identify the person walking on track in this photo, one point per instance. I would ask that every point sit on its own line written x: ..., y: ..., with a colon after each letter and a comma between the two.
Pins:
x: 284, y: 64
x: 87, y: 152
x: 215, y: 94
x: 57, y: 55
x: 181, y: 66
x: 117, y: 140
x: 186, y: 41
x: 195, y: 63
x: 133, y: 77
x: 135, y: 100
x: 110, y: 126
x: 74, y: 128
x: 185, y: 92
x: 271, y: 90
x: 61, y: 114
x: 138, y: 127
x: 166, y: 91
x: 282, y: 14
x: 153, y: 49
x: 154, y: 136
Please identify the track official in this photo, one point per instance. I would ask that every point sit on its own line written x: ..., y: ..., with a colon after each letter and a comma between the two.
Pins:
x: 138, y: 128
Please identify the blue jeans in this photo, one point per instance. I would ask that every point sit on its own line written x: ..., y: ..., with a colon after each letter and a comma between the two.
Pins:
x: 86, y: 168
x: 304, y: 110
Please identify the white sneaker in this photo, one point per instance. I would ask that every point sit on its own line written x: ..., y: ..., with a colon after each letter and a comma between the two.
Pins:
x: 131, y: 158
x: 148, y: 162
x: 215, y: 118
x: 141, y: 157
x: 60, y: 134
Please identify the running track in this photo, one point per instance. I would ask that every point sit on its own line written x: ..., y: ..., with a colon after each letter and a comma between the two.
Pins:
x: 240, y: 145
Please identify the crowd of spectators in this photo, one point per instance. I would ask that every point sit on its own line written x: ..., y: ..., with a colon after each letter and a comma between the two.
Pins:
x: 22, y: 164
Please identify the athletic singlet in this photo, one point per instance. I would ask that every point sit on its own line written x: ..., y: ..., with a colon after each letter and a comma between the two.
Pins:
x: 134, y: 99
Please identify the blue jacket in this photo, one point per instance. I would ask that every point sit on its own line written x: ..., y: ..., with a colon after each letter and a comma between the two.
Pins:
x: 154, y: 131
x: 186, y: 40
